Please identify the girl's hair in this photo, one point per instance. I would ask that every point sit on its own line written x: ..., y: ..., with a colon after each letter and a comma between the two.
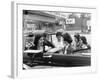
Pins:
x: 67, y: 38
x: 36, y: 40
x: 83, y: 38
x: 58, y: 34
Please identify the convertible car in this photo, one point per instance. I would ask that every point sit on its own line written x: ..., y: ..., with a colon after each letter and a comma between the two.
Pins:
x: 56, y: 59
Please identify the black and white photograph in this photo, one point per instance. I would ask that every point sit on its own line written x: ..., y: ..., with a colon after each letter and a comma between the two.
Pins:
x: 55, y: 39
x: 52, y: 40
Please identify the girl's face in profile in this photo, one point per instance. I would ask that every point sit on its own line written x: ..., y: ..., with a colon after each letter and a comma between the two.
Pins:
x: 41, y: 41
x: 75, y: 39
x: 65, y: 43
x: 81, y: 41
x: 59, y: 38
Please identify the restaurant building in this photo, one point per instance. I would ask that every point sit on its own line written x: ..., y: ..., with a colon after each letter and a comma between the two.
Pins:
x: 39, y: 20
